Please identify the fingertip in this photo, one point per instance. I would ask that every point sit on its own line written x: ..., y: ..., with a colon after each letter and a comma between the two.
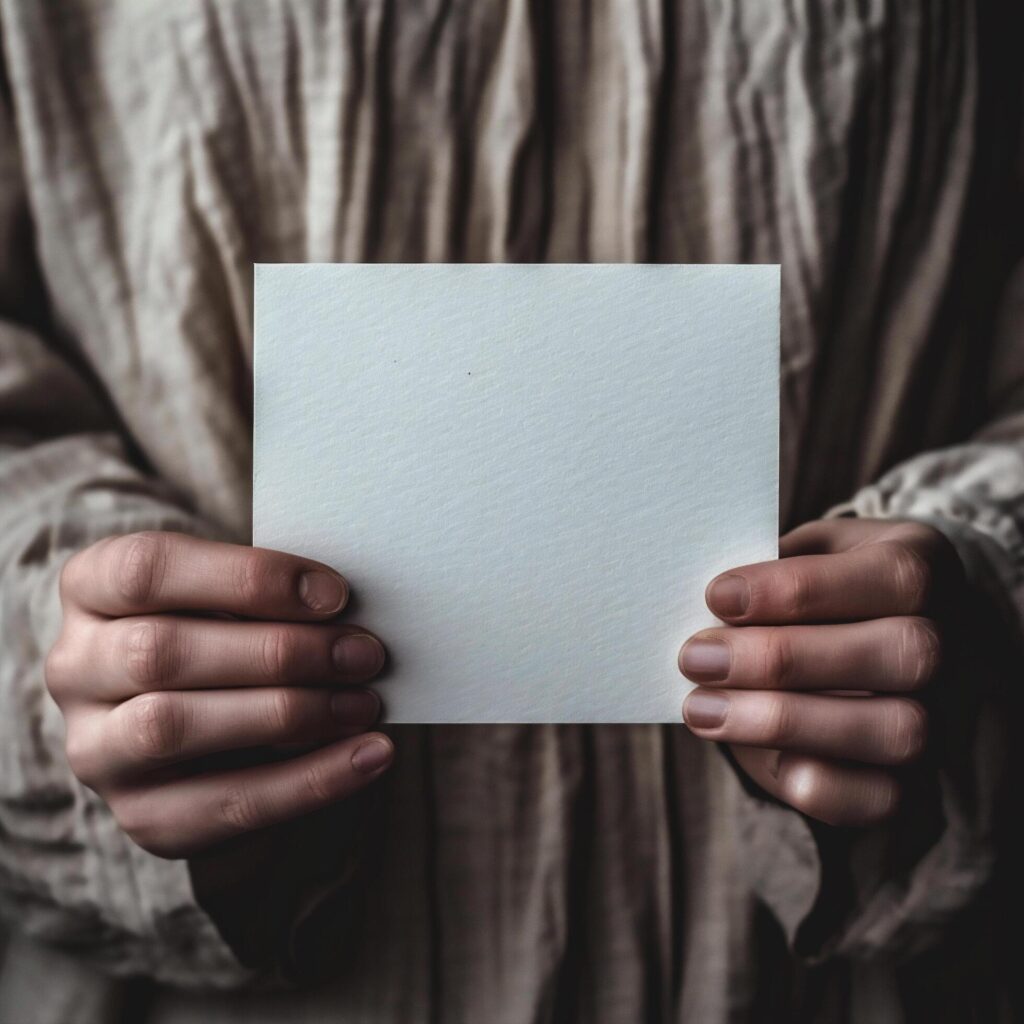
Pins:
x: 705, y: 659
x: 323, y: 592
x: 359, y: 655
x: 728, y: 596
x: 705, y: 710
x: 355, y: 705
x: 373, y: 755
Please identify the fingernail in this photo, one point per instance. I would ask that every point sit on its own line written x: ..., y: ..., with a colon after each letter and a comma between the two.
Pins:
x: 358, y: 655
x: 705, y: 660
x: 729, y: 597
x: 322, y: 591
x: 705, y: 710
x: 371, y: 756
x: 355, y: 706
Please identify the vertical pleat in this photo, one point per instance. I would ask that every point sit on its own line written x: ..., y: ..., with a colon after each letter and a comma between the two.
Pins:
x: 524, y: 874
x: 506, y: 815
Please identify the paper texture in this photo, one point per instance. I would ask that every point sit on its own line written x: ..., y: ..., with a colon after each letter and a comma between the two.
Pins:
x: 527, y: 473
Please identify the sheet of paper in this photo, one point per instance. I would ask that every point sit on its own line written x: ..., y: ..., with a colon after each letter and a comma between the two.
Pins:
x: 527, y: 473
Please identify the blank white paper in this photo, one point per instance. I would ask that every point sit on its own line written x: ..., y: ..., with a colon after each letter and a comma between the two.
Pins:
x: 528, y: 473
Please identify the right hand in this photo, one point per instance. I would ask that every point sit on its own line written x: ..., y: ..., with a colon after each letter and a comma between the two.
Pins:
x: 152, y: 687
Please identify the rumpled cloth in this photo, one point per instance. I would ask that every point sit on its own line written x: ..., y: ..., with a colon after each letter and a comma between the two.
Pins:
x: 151, y: 152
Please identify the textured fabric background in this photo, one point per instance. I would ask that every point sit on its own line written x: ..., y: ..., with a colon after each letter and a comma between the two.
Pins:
x: 151, y: 151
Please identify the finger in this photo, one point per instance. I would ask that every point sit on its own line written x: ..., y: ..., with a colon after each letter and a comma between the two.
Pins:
x: 875, y: 730
x: 159, y: 729
x: 106, y: 748
x: 843, y: 533
x: 167, y: 652
x: 157, y: 572
x: 832, y: 792
x: 828, y: 536
x: 894, y: 654
x: 869, y: 582
x: 198, y: 812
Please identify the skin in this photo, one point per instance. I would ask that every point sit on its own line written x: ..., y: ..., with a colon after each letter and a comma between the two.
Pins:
x: 817, y: 679
x: 209, y: 690
x: 175, y: 650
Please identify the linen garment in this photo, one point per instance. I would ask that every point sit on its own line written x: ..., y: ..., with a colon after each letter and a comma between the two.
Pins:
x: 152, y: 151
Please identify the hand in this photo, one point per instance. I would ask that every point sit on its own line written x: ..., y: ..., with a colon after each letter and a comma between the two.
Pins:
x: 810, y: 680
x: 153, y: 688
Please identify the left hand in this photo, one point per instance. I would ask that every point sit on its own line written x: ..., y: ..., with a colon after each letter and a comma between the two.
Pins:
x: 809, y: 681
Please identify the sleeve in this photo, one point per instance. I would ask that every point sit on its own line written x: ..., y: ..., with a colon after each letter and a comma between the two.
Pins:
x: 68, y: 874
x: 894, y: 891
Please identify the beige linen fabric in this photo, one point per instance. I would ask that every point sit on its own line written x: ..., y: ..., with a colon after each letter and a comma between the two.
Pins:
x: 152, y: 151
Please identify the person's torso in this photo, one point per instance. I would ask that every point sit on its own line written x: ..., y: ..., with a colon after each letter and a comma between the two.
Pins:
x: 168, y: 147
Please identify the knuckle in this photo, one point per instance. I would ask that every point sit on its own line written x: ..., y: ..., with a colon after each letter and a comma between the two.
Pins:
x: 908, y: 731
x: 284, y: 711
x: 913, y: 574
x: 150, y: 653
x: 240, y: 810
x: 806, y: 787
x: 798, y: 593
x: 318, y: 784
x: 257, y: 574
x: 919, y: 652
x: 911, y: 532
x: 67, y: 581
x: 81, y: 754
x: 820, y: 792
x: 136, y: 817
x: 931, y: 542
x: 131, y: 816
x: 778, y: 723
x: 778, y: 660
x: 279, y: 653
x: 58, y: 669
x: 155, y: 726
x: 138, y: 565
